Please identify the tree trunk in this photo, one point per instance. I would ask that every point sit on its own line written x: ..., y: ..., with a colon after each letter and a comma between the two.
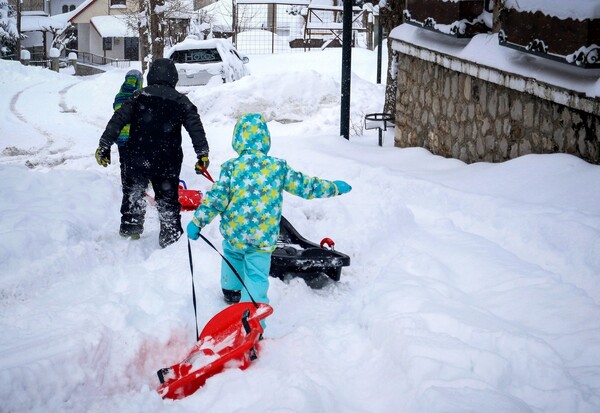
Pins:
x: 391, y: 16
x: 498, y: 6
x: 18, y: 45
x: 144, y: 33
x: 151, y: 31
x: 157, y: 28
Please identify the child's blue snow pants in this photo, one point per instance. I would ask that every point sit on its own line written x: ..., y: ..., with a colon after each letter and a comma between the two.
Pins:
x: 253, y: 266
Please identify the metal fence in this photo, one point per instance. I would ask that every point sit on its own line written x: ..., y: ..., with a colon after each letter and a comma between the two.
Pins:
x: 93, y: 59
x: 269, y: 28
x: 40, y: 63
x: 261, y: 27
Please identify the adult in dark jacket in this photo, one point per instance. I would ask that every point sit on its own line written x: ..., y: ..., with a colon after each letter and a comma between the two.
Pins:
x: 153, y: 152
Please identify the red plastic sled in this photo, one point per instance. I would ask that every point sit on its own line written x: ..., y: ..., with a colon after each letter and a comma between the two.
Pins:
x: 189, y: 199
x: 229, y: 339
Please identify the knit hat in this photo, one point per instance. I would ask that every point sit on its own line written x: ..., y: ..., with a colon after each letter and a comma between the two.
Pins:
x: 133, y: 81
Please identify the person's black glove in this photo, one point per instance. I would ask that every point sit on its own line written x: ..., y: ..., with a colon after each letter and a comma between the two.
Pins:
x: 103, y: 156
x: 202, y: 163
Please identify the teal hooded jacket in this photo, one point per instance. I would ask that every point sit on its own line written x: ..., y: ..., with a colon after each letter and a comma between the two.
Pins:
x: 249, y: 192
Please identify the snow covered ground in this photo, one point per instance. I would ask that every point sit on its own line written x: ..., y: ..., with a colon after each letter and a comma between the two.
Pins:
x: 472, y: 288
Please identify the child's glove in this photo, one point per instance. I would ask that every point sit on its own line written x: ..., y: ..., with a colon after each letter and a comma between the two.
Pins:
x: 203, y: 162
x: 193, y: 231
x: 342, y: 187
x: 103, y: 156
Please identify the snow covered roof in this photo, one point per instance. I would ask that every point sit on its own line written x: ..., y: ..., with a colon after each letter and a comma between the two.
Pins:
x: 574, y: 9
x: 113, y: 26
x: 32, y: 23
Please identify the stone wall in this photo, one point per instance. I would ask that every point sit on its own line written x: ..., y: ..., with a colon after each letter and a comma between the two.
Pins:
x: 82, y: 69
x: 456, y: 113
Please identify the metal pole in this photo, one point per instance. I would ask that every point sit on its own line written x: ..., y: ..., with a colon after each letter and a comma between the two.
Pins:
x: 379, y: 43
x: 234, y: 23
x: 273, y: 9
x: 18, y: 45
x: 346, y: 69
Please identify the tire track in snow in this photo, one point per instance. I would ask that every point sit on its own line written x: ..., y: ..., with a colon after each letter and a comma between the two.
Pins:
x: 14, y: 151
x: 63, y: 103
x: 48, y: 154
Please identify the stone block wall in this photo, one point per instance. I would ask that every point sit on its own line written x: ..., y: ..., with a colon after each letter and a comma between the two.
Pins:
x: 456, y: 113
x: 86, y: 70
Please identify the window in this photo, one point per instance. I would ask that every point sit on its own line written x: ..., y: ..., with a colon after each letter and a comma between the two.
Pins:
x: 196, y: 56
x: 117, y: 2
x: 107, y: 43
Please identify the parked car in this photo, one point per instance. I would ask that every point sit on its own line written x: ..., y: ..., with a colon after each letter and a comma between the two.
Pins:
x: 199, y: 62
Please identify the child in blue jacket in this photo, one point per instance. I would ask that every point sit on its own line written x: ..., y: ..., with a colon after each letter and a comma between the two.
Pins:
x: 248, y: 196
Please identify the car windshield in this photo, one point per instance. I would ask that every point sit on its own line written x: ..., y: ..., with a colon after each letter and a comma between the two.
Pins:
x: 196, y: 56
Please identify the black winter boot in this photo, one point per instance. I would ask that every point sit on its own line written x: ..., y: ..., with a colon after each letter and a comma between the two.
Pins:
x: 131, y: 227
x: 231, y: 296
x: 169, y: 233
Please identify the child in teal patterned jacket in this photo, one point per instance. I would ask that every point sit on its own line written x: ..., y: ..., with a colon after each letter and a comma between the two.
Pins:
x: 248, y: 196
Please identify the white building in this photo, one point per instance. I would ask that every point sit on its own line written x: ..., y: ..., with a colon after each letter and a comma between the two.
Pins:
x: 104, y: 29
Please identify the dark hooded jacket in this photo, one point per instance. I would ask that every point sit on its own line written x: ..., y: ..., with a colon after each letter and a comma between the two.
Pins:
x: 156, y: 114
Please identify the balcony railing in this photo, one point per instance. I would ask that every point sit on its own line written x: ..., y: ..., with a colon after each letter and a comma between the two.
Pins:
x: 32, y: 5
x: 93, y: 59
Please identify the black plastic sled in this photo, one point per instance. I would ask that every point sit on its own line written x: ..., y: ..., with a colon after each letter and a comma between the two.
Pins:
x: 295, y: 256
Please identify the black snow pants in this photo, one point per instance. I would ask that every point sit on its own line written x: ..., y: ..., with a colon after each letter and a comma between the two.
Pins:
x: 133, y: 206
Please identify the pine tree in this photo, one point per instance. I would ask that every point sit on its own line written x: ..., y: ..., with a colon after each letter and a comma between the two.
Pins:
x: 8, y: 29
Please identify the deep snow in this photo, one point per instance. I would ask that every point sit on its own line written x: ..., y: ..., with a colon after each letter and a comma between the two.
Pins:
x: 472, y: 288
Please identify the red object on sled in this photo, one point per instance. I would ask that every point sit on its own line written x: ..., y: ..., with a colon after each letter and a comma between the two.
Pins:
x: 229, y: 339
x: 189, y: 199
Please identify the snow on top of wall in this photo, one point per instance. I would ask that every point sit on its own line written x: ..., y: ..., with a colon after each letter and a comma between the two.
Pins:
x: 563, y: 9
x: 485, y: 50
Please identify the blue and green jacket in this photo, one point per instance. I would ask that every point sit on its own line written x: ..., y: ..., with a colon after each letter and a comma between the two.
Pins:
x: 249, y: 192
x: 133, y: 81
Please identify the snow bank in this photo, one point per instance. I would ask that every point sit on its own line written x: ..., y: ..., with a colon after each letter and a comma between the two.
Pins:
x: 471, y: 287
